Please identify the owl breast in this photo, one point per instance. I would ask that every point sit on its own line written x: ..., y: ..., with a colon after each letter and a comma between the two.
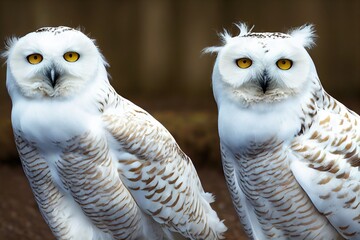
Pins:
x: 239, y: 126
x: 47, y: 123
x: 72, y: 149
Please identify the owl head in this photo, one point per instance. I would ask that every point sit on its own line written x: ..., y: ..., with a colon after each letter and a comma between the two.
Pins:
x: 256, y: 68
x: 52, y: 62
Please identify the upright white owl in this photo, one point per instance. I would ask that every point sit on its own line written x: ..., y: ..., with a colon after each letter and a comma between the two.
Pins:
x: 290, y: 151
x: 99, y: 166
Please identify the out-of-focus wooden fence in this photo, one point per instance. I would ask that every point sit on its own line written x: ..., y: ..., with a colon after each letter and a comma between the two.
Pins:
x: 154, y: 46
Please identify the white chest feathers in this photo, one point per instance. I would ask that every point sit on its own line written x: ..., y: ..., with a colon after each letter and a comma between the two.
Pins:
x: 59, y: 120
x: 239, y: 126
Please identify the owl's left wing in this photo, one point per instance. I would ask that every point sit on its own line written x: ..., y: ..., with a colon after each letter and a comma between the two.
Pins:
x: 161, y: 178
x: 326, y: 163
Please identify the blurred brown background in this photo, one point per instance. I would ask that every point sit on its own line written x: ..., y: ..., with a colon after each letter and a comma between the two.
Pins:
x: 154, y: 49
x: 154, y: 46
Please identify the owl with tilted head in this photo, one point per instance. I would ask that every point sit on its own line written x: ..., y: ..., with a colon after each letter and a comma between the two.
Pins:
x: 290, y: 151
x: 99, y: 166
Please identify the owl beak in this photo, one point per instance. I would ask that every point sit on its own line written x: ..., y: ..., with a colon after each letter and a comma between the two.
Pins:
x: 52, y: 75
x: 264, y: 81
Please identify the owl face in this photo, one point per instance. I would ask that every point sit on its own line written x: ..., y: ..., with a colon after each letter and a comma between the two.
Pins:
x: 262, y: 67
x: 52, y: 62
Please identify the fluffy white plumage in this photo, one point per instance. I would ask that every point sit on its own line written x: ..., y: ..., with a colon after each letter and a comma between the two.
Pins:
x: 99, y: 166
x: 290, y: 152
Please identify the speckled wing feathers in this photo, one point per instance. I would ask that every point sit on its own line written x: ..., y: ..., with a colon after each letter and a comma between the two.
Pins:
x: 161, y: 178
x: 327, y: 161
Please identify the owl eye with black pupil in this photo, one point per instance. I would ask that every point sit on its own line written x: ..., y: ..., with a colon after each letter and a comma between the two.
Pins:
x: 284, y: 64
x: 71, y: 56
x: 34, y: 58
x: 244, y: 62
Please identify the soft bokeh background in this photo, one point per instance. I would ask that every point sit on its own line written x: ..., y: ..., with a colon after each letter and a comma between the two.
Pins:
x: 154, y: 49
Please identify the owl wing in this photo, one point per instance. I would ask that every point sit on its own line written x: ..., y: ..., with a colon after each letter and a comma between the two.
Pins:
x: 326, y: 163
x: 160, y: 177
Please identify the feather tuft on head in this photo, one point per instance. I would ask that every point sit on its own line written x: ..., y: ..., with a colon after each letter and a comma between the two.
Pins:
x: 305, y: 35
x: 244, y: 29
x: 225, y: 37
x: 8, y: 44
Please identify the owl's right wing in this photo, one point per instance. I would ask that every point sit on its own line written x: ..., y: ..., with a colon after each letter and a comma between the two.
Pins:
x: 326, y: 163
x: 160, y: 177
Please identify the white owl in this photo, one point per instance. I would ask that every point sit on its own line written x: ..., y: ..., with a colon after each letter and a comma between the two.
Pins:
x: 290, y: 151
x: 99, y: 166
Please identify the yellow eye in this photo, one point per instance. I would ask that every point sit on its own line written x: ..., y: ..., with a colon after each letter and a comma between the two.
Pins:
x: 34, y: 58
x: 71, y: 56
x: 284, y: 64
x: 243, y: 62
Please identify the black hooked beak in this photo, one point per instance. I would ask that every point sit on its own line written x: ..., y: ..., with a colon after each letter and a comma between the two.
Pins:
x: 52, y: 75
x: 264, y: 81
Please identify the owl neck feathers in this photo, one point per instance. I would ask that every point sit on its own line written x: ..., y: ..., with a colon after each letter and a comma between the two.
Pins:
x: 107, y: 97
x: 310, y: 106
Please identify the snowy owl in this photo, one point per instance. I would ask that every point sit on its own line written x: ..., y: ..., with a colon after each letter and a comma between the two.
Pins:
x: 290, y: 151
x: 99, y: 166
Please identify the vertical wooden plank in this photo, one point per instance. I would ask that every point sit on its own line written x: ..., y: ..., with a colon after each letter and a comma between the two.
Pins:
x: 154, y: 45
